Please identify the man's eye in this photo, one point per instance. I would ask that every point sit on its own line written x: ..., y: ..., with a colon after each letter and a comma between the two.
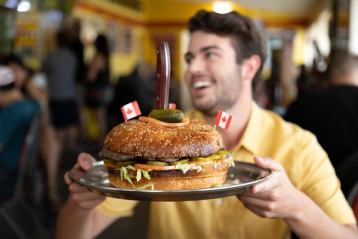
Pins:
x: 210, y: 55
x: 188, y: 59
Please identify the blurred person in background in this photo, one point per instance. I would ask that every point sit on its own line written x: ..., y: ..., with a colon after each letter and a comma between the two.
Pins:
x: 16, y: 114
x: 77, y: 48
x: 139, y: 85
x: 60, y: 69
x: 33, y: 85
x: 332, y: 113
x: 98, y: 85
x: 225, y: 55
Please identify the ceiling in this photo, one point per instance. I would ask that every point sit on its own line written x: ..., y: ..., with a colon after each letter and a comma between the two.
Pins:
x: 294, y: 8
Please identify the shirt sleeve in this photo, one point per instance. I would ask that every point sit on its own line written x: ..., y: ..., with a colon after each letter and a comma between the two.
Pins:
x: 9, y: 123
x: 16, y: 118
x: 112, y: 207
x: 320, y: 183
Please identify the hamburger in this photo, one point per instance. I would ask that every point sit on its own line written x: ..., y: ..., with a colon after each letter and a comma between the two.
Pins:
x: 149, y: 153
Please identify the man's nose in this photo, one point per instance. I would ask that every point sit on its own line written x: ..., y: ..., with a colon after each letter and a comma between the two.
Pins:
x: 196, y: 65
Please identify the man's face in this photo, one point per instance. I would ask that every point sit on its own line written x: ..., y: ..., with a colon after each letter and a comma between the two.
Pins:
x: 212, y: 74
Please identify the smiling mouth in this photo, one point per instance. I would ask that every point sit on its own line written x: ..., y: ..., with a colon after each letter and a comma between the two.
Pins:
x: 201, y: 85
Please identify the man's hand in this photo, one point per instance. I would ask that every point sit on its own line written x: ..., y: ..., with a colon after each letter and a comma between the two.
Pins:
x: 81, y: 195
x: 275, y: 197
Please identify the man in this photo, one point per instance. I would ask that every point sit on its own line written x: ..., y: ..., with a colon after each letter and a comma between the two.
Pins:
x: 16, y: 115
x: 225, y: 55
x: 60, y: 69
x: 332, y: 114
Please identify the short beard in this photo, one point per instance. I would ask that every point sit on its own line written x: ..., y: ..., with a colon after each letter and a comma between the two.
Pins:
x: 224, y: 105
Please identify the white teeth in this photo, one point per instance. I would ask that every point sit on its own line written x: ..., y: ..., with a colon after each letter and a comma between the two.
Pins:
x: 200, y: 84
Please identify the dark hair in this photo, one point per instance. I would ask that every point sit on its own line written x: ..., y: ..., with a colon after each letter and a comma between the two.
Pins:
x: 341, y: 63
x: 14, y: 59
x: 62, y: 38
x: 8, y: 87
x: 247, y: 40
x: 101, y: 44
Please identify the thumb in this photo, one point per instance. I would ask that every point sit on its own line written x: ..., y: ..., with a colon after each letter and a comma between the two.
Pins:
x: 268, y: 163
x: 85, y: 161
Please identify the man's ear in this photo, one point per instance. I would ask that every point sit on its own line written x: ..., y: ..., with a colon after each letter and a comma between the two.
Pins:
x: 249, y: 67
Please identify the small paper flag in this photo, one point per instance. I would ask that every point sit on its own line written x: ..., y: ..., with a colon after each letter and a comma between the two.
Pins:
x: 130, y: 110
x: 223, y: 119
x: 172, y: 106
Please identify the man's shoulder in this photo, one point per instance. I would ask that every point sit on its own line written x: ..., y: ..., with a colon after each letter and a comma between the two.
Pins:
x: 27, y: 108
x: 284, y: 130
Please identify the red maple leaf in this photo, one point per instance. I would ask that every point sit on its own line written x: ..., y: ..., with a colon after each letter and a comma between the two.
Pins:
x: 223, y: 119
x: 129, y: 111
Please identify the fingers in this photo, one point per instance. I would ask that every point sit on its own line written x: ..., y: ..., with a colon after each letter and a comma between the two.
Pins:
x: 267, y: 185
x: 268, y: 163
x: 83, y: 197
x: 67, y: 179
x: 261, y: 212
x: 75, y: 188
x: 79, y: 194
x: 257, y: 203
x: 85, y: 161
x: 262, y: 206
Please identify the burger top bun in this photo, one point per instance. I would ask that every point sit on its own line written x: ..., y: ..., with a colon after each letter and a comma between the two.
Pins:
x: 146, y: 140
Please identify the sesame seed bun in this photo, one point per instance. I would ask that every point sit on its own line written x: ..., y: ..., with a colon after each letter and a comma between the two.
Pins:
x: 142, y: 139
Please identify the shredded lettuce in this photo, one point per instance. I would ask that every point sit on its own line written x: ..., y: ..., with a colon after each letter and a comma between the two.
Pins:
x: 126, y: 176
x: 148, y: 185
x: 145, y: 174
x: 121, y: 174
x: 130, y: 167
x: 139, y: 175
x: 186, y: 167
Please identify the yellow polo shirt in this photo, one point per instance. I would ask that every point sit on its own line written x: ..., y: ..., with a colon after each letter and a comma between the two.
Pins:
x: 305, y: 162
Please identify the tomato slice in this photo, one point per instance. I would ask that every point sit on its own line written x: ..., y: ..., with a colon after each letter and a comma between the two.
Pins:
x: 154, y: 167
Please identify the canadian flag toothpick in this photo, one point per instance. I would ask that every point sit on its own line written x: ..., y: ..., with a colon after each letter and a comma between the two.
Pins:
x: 172, y: 106
x: 223, y: 119
x: 130, y: 110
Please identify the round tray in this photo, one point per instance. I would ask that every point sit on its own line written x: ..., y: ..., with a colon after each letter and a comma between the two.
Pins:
x: 240, y: 178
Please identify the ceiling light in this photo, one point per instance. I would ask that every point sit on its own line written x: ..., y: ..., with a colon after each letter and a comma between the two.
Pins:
x: 222, y: 7
x: 24, y: 6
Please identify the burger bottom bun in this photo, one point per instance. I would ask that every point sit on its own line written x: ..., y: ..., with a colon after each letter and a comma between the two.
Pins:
x: 207, y: 178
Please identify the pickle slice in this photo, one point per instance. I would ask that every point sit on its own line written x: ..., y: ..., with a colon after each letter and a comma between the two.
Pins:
x: 157, y: 163
x: 117, y: 164
x: 216, y: 156
x: 167, y: 115
x: 181, y: 161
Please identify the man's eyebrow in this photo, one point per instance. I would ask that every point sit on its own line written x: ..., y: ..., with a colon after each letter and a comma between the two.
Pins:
x: 204, y: 49
x: 207, y: 48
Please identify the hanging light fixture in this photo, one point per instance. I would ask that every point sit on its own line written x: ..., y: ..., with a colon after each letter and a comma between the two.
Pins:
x: 222, y: 6
x: 24, y: 6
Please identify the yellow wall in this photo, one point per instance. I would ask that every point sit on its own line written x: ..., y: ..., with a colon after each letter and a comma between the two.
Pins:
x: 111, y: 19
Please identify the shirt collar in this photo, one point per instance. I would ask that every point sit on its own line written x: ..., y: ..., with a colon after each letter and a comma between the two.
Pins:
x: 251, y: 137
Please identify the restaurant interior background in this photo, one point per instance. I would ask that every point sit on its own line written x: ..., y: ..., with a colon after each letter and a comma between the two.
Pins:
x: 299, y: 32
